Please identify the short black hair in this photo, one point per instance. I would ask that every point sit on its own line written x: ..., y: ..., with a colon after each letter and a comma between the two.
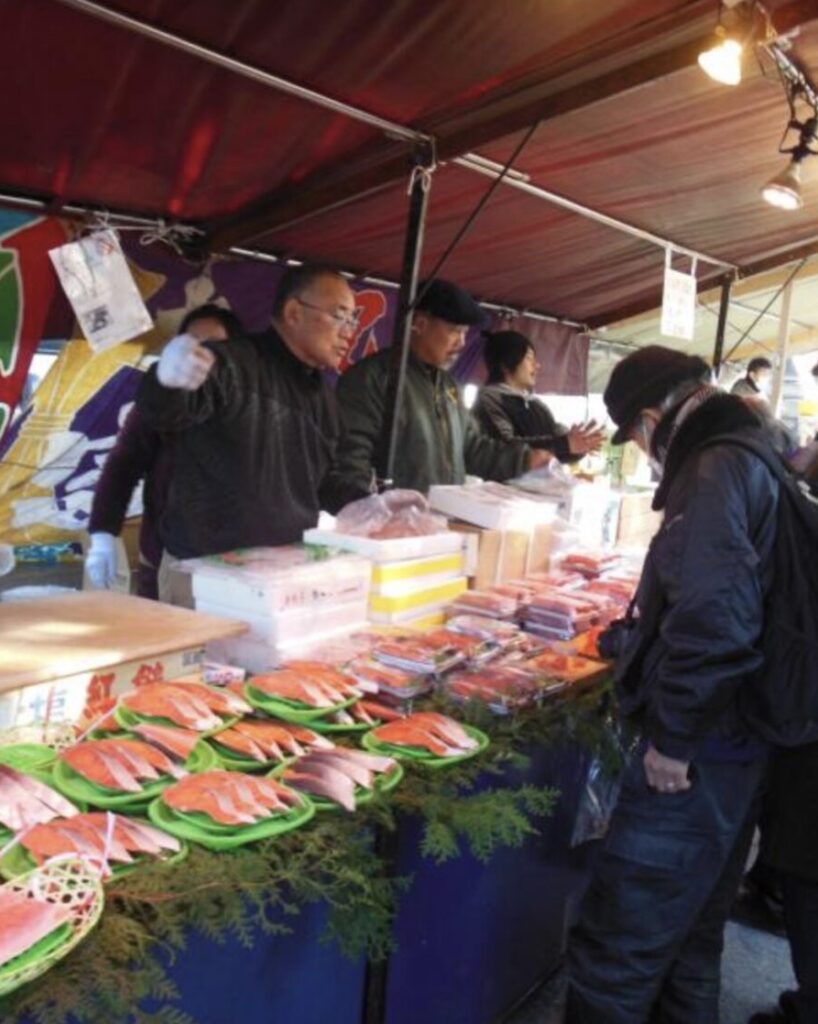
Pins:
x: 759, y: 363
x: 210, y: 311
x: 297, y: 279
x: 503, y: 351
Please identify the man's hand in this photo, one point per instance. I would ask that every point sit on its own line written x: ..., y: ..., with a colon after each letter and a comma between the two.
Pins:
x: 585, y: 438
x: 540, y: 457
x: 664, y: 774
x: 184, y: 364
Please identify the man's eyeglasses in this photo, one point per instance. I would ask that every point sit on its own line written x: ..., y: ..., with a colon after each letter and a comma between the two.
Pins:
x: 350, y: 320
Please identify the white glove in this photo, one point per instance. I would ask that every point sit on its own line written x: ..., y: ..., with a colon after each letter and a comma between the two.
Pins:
x: 184, y: 364
x: 100, y: 562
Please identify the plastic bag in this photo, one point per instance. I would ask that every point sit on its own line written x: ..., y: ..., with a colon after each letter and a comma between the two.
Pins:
x: 597, y: 801
x: 391, y: 514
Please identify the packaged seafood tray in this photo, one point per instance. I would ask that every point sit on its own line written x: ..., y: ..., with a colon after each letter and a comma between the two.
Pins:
x: 573, y: 605
x: 273, y: 581
x: 417, y: 654
x: 486, y: 602
x: 589, y: 564
x: 502, y: 688
x: 566, y: 668
x: 394, y: 549
x: 551, y: 633
x: 554, y: 579
x: 394, y: 682
x: 497, y: 631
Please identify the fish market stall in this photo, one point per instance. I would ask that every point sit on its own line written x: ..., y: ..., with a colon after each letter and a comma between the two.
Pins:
x: 357, y: 794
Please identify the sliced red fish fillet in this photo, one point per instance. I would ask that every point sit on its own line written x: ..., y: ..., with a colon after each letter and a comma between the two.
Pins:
x: 447, y: 728
x: 44, y: 841
x: 25, y: 800
x: 159, y: 700
x: 360, y: 775
x: 25, y: 921
x: 378, y: 710
x: 78, y: 829
x: 241, y: 744
x: 274, y: 741
x: 223, y: 702
x: 179, y: 742
x: 323, y: 780
x: 159, y: 762
x: 290, y: 686
x: 209, y: 793
x: 327, y: 676
x: 407, y: 735
x: 136, y: 836
x: 99, y: 767
x: 268, y: 790
x: 374, y: 762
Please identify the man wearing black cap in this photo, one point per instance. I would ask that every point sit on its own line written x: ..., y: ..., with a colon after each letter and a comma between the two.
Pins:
x: 649, y: 939
x: 439, y: 442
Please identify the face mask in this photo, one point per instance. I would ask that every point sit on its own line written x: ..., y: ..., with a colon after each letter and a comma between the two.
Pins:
x: 653, y: 462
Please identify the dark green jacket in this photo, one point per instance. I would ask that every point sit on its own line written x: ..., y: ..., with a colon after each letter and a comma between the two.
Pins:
x: 439, y: 442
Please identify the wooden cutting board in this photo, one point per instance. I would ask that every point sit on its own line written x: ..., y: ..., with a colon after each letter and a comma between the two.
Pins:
x: 53, y: 637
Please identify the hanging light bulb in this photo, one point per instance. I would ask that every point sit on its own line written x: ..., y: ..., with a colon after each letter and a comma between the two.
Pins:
x: 784, y: 190
x: 722, y: 60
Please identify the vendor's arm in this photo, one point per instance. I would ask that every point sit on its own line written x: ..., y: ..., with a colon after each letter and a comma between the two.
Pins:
x: 186, y: 386
x: 360, y: 395
x: 493, y: 459
x: 130, y: 460
x: 492, y: 416
x: 711, y: 629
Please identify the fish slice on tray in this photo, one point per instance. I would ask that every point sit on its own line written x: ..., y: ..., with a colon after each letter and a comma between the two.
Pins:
x: 340, y: 776
x: 231, y: 798
x: 26, y: 801
x: 426, y: 732
x: 86, y: 835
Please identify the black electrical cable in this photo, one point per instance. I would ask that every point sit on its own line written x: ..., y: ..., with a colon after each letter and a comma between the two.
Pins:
x: 468, y: 223
x: 795, y: 271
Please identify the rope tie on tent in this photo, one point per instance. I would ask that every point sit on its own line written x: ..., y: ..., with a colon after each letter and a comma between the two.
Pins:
x: 423, y: 171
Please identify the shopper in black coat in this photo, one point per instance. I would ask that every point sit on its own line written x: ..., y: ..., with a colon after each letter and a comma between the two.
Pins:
x: 790, y: 846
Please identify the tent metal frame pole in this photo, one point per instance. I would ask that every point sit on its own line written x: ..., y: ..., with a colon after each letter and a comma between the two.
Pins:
x: 470, y: 161
x: 783, y: 348
x: 410, y: 273
x: 721, y: 327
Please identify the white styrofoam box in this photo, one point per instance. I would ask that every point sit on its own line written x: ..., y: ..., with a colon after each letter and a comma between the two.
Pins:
x: 393, y: 550
x: 256, y: 656
x: 273, y: 581
x: 493, y: 506
x: 290, y: 626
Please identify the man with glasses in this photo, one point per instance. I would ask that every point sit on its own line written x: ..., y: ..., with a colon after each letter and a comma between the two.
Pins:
x: 254, y: 423
x: 439, y: 441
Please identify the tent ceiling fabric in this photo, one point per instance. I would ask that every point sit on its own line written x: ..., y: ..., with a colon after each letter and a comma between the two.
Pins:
x: 107, y: 117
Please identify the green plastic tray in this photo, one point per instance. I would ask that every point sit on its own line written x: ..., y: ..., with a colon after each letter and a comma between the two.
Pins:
x: 289, y: 711
x: 320, y: 726
x: 43, y: 948
x: 18, y: 861
x: 29, y: 757
x: 128, y: 719
x: 165, y: 818
x: 77, y: 787
x: 418, y: 756
x: 383, y: 784
x: 234, y: 761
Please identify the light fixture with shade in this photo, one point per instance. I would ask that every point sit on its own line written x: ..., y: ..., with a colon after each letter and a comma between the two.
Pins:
x: 722, y: 60
x: 784, y: 190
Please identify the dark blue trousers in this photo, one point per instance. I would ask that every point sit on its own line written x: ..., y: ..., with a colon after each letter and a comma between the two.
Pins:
x: 647, y: 947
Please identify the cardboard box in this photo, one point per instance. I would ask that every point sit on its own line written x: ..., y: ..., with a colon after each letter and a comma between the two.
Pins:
x: 499, y: 555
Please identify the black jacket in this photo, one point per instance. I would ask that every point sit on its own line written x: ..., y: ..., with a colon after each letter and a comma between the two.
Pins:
x: 253, y: 446
x: 701, y: 598
x: 510, y: 416
x: 439, y: 440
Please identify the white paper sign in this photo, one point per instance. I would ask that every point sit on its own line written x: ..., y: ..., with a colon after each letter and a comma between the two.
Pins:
x: 678, y: 304
x: 102, y: 292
